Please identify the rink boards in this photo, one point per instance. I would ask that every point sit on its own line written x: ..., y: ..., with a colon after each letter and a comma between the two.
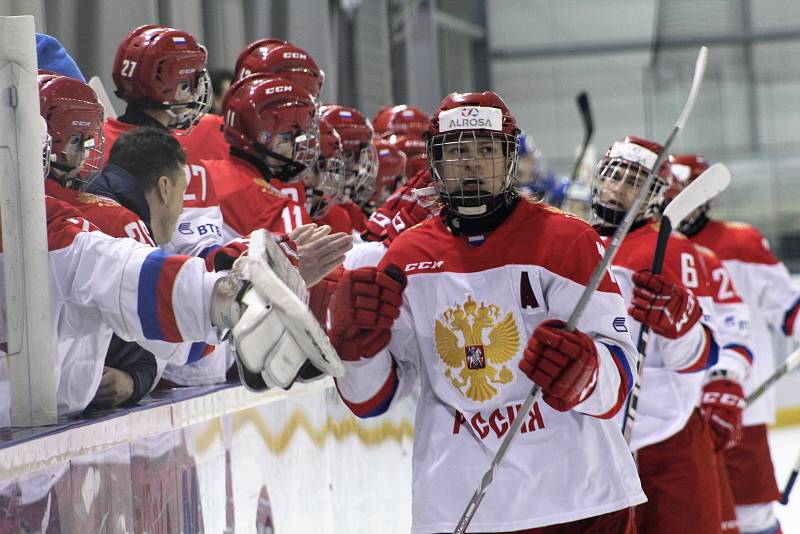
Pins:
x: 227, y: 461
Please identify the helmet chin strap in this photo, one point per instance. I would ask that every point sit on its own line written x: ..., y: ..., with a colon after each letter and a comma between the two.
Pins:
x: 285, y: 172
x: 612, y: 216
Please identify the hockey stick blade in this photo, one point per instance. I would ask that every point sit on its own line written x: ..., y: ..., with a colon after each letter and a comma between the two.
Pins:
x: 594, y: 282
x: 789, y: 365
x: 585, y: 109
x: 708, y: 185
x: 102, y: 95
x: 787, y: 490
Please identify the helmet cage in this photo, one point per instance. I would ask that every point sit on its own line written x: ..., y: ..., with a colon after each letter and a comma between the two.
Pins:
x: 186, y: 115
x: 450, y: 149
x: 615, y: 173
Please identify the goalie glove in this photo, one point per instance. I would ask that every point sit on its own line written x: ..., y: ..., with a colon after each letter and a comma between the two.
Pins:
x: 273, y: 333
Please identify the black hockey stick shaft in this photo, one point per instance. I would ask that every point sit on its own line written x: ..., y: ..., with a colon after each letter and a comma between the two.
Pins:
x: 644, y: 335
x: 585, y: 110
x: 790, y: 483
x: 785, y: 368
x: 594, y: 283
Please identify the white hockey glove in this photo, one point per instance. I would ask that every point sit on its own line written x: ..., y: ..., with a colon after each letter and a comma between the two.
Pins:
x: 273, y: 332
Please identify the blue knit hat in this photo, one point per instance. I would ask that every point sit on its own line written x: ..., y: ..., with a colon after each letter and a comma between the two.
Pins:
x: 54, y: 57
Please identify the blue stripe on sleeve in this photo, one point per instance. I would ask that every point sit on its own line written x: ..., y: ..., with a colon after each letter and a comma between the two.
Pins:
x: 196, y: 352
x: 208, y: 250
x: 148, y: 291
x: 619, y: 355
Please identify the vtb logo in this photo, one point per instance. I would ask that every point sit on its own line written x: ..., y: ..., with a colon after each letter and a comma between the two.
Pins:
x: 469, y: 112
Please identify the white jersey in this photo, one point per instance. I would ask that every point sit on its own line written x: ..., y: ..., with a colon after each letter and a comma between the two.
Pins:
x: 772, y: 298
x: 466, y: 317
x: 364, y: 254
x: 671, y: 379
x: 99, y: 283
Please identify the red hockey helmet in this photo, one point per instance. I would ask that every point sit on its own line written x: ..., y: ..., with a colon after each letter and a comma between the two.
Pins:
x: 164, y: 68
x: 330, y: 164
x: 401, y: 120
x: 281, y: 58
x: 391, y: 169
x: 74, y: 119
x: 415, y: 149
x: 360, y: 157
x: 473, y: 152
x: 621, y: 174
x: 258, y: 108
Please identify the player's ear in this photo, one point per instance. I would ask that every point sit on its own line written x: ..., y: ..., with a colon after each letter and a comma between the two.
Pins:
x: 163, y: 186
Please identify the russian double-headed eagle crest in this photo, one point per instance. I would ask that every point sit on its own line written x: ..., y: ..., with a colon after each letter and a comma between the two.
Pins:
x: 476, y: 364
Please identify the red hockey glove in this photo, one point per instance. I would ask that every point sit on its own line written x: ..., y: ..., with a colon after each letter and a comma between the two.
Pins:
x: 668, y: 308
x: 565, y: 364
x: 405, y: 219
x: 722, y: 405
x: 363, y: 308
x: 321, y: 293
x: 377, y: 224
x: 222, y: 258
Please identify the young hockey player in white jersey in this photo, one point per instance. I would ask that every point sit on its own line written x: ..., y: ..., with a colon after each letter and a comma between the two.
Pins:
x: 674, y: 452
x: 773, y: 299
x: 473, y: 304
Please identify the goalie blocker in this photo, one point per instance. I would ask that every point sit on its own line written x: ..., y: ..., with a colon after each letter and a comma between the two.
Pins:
x: 274, y: 335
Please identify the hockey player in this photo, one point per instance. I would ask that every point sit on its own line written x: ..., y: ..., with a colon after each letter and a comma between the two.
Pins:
x: 265, y: 56
x: 675, y: 454
x: 324, y: 182
x: 773, y: 299
x: 361, y: 159
x: 405, y: 126
x: 391, y: 171
x: 124, y: 371
x: 473, y: 303
x: 264, y: 117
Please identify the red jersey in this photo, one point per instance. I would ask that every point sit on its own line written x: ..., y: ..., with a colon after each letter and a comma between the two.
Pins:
x: 338, y: 218
x: 357, y: 217
x: 294, y: 190
x: 205, y: 140
x: 248, y: 202
x: 108, y: 215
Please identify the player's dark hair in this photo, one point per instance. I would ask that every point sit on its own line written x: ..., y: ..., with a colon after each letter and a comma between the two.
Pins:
x: 147, y: 154
x: 218, y: 76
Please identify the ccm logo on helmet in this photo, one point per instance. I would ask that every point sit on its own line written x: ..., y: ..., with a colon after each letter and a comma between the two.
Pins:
x: 424, y: 265
x: 278, y: 89
x: 294, y: 55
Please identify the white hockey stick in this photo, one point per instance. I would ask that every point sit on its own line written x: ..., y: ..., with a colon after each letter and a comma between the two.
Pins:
x: 594, y: 282
x: 97, y: 84
x: 792, y: 361
x: 712, y: 182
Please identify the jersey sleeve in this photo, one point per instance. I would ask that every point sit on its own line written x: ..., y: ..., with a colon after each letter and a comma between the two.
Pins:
x: 604, y: 320
x: 141, y: 292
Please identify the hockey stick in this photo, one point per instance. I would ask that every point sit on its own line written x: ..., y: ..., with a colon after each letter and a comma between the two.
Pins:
x: 792, y: 361
x: 102, y: 95
x: 708, y: 185
x: 582, y: 100
x: 594, y: 282
x: 790, y: 483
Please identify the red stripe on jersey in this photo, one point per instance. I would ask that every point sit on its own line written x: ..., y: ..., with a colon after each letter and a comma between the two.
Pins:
x: 622, y: 392
x: 710, y: 351
x: 534, y: 234
x: 164, y: 290
x: 378, y: 403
